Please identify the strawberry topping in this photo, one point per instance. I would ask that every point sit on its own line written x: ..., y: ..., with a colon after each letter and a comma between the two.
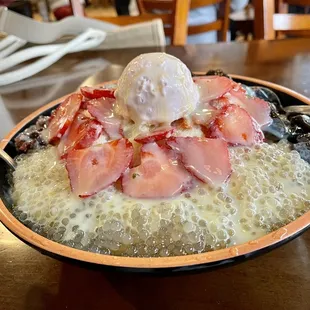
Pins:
x: 102, y: 110
x: 97, y: 92
x: 206, y: 159
x: 63, y: 116
x: 155, y: 135
x: 219, y: 103
x: 93, y: 169
x: 203, y: 117
x: 234, y: 125
x: 159, y: 175
x: 259, y: 109
x: 84, y: 103
x: 82, y: 133
x: 213, y: 87
x: 182, y: 123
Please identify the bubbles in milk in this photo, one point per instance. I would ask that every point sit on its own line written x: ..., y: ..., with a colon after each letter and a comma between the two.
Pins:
x: 269, y: 187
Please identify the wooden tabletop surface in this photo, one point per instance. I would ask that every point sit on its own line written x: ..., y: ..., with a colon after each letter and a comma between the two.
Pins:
x: 277, y: 280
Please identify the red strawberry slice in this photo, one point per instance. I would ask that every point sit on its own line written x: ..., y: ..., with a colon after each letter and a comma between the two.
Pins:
x: 68, y: 138
x: 203, y: 117
x: 206, y: 159
x: 84, y: 103
x: 234, y: 125
x: 97, y: 92
x: 155, y: 135
x: 182, y: 123
x: 88, y: 133
x: 259, y: 109
x: 102, y: 110
x: 212, y: 87
x: 63, y: 116
x: 159, y: 175
x: 82, y: 133
x: 219, y: 103
x: 93, y: 169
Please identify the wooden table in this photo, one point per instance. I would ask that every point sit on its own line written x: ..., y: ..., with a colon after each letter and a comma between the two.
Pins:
x: 277, y: 280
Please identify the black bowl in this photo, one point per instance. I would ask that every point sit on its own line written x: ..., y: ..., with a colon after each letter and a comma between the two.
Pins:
x: 209, y: 260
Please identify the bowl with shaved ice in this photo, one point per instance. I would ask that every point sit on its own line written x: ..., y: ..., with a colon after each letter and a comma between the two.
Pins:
x: 163, y: 169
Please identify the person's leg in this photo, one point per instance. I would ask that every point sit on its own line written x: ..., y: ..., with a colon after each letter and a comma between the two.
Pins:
x: 122, y: 7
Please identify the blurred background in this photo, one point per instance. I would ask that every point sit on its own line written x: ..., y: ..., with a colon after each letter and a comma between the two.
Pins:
x: 246, y: 17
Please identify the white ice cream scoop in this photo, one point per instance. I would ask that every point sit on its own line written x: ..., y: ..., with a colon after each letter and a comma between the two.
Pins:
x: 156, y: 88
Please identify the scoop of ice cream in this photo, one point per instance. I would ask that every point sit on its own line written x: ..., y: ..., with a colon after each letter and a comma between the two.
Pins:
x: 156, y: 88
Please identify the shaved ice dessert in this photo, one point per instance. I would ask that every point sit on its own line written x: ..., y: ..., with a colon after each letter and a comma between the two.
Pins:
x: 159, y: 164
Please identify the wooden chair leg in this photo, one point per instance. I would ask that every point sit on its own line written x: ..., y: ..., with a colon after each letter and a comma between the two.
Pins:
x: 180, y: 26
x: 263, y: 26
x: 224, y: 10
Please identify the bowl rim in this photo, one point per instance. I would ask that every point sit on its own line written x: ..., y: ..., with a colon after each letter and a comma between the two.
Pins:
x: 284, y: 233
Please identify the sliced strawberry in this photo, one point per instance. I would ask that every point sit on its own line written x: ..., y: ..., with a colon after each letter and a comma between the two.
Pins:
x: 206, y: 159
x: 155, y: 135
x: 84, y: 103
x: 88, y: 133
x: 219, y: 103
x: 68, y: 138
x: 102, y: 110
x: 212, y: 87
x: 259, y: 109
x: 203, y: 117
x: 93, y: 169
x: 234, y: 125
x: 97, y: 92
x: 82, y: 134
x: 182, y: 123
x: 63, y: 117
x: 159, y: 175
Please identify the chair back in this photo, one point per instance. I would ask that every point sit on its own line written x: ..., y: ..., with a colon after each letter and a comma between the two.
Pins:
x: 272, y: 19
x: 175, y: 18
x: 221, y: 24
